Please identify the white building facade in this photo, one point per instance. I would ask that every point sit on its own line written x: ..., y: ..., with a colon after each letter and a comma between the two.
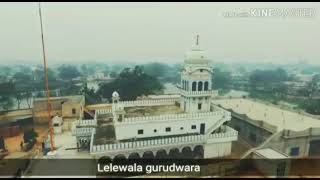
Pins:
x: 196, y: 128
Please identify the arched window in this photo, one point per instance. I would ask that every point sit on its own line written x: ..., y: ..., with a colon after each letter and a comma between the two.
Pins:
x: 194, y: 86
x: 199, y: 86
x: 182, y: 84
x: 206, y: 84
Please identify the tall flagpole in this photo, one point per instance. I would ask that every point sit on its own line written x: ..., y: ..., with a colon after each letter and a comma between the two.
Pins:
x: 49, y: 107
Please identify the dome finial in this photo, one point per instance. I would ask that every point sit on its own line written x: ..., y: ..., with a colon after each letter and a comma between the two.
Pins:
x: 197, y: 42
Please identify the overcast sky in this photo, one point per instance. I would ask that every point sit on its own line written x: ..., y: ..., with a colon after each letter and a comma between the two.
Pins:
x: 145, y: 32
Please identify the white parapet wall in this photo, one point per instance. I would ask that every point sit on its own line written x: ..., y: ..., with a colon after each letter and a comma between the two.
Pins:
x: 222, y: 141
x: 82, y: 131
x: 174, y: 117
x: 103, y: 111
x: 86, y: 122
x: 174, y: 124
x: 149, y: 102
x: 139, y: 103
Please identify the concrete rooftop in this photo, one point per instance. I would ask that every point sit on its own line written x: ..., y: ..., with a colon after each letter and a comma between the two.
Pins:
x: 152, y: 110
x: 282, y: 119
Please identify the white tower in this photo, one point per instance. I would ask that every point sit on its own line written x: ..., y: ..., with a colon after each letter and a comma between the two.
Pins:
x: 117, y: 109
x: 196, y: 82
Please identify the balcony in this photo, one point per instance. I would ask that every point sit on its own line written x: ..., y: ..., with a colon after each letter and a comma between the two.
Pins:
x: 210, y: 93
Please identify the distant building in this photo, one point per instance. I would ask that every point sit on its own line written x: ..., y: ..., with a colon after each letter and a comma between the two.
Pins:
x: 267, y: 126
x: 304, y: 77
x: 70, y: 108
x: 99, y: 76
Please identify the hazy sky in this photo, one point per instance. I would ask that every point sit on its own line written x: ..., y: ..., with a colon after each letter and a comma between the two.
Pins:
x: 142, y: 32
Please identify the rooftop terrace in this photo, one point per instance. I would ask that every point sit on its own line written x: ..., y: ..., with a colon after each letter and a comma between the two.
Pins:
x: 152, y: 110
x: 282, y: 119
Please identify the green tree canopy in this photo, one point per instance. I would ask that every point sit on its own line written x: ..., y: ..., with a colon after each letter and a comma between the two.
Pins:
x: 131, y: 83
x: 221, y: 79
x: 313, y: 106
x: 156, y: 69
x: 39, y: 74
x: 267, y: 78
x: 68, y: 72
x: 90, y: 95
x: 22, y: 76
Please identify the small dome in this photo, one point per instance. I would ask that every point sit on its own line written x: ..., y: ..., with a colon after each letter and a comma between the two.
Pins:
x: 196, y: 56
x: 115, y: 94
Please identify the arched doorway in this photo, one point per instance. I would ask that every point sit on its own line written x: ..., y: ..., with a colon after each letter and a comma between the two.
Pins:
x: 187, y: 153
x: 105, y: 160
x: 134, y: 156
x: 148, y: 155
x: 174, y: 153
x: 198, y: 152
x: 161, y: 154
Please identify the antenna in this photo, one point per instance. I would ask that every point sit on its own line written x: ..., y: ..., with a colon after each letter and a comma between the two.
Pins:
x: 46, y: 83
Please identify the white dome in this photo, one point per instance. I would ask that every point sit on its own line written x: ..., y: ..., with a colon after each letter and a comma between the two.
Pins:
x: 115, y: 94
x: 196, y: 56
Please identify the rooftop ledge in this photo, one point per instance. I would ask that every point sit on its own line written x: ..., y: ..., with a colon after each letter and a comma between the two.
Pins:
x: 173, y: 117
x: 229, y: 135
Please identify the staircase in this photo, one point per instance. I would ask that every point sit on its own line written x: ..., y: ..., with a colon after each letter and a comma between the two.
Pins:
x: 89, y: 112
x: 260, y: 146
x: 217, y: 124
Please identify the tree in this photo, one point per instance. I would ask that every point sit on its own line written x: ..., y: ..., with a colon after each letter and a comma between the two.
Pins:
x: 3, y: 78
x: 156, y: 69
x: 84, y: 69
x: 131, y: 83
x: 6, y: 95
x: 313, y: 106
x: 68, y: 72
x: 19, y: 97
x: 314, y: 85
x: 221, y: 79
x: 90, y: 95
x: 242, y: 70
x: 70, y: 89
x: 5, y: 70
x: 267, y: 79
x: 39, y: 74
x: 22, y: 76
x: 113, y: 74
x: 25, y: 69
x: 6, y: 102
x: 28, y: 96
x: 281, y: 89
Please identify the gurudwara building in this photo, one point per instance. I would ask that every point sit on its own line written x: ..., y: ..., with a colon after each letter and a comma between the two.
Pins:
x: 184, y: 125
